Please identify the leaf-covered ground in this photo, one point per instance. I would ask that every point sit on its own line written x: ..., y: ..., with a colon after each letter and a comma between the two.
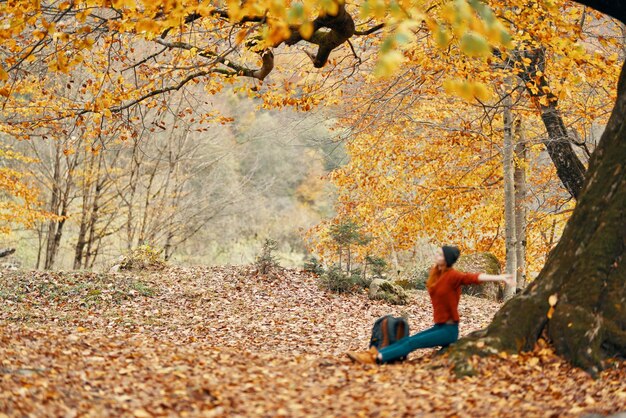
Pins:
x: 221, y: 342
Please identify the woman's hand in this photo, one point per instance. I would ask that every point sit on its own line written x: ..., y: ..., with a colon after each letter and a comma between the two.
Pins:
x: 509, y: 280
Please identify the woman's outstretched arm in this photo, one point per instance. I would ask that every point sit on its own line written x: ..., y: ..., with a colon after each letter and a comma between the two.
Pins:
x: 507, y: 279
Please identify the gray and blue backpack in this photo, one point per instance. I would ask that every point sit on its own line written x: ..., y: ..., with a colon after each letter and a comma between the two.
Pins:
x: 387, y: 330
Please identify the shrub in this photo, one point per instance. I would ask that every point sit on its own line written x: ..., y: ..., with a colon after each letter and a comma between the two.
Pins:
x: 336, y: 280
x: 361, y: 280
x: 378, y: 265
x: 313, y: 266
x: 265, y: 262
x: 143, y: 257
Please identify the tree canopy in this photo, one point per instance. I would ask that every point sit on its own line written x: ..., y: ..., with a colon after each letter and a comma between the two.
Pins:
x: 82, y: 68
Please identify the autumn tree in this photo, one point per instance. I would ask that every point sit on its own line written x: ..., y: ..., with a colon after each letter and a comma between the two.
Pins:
x: 20, y: 204
x: 577, y: 300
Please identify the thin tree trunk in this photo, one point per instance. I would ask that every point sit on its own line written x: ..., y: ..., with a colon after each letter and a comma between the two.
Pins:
x: 519, y: 178
x: 340, y: 254
x: 83, y: 224
x: 509, y: 192
x: 53, y: 208
x: 129, y: 199
x: 40, y: 241
x: 94, y: 211
x: 61, y: 199
x: 168, y: 250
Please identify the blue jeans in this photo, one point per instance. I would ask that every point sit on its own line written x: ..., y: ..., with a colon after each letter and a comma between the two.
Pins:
x: 438, y: 335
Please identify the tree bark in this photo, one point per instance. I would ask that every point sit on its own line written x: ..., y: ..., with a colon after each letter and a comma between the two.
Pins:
x: 341, y: 28
x: 519, y: 179
x: 585, y: 273
x: 81, y: 240
x: 509, y: 192
x: 569, y: 168
x: 59, y: 203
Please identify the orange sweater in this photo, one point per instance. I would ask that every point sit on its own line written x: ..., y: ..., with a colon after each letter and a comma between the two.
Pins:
x: 446, y: 292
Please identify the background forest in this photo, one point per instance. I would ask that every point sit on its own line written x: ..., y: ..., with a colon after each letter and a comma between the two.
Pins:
x: 202, y: 194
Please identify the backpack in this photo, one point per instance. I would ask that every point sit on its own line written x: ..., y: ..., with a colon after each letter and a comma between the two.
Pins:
x: 387, y: 330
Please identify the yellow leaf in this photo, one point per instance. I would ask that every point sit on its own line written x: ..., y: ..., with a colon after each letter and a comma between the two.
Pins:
x: 306, y: 30
x: 39, y: 34
x: 459, y: 88
x: 474, y: 44
x: 241, y: 35
x: 552, y: 300
x: 481, y: 92
x: 129, y: 4
x: 388, y: 63
x: 141, y: 413
x: 82, y: 15
x: 147, y: 26
x: 379, y: 8
x: 234, y: 10
x: 4, y: 76
x: 330, y: 6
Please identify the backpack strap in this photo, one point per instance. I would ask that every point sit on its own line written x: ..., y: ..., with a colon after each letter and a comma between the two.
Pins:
x: 384, y: 326
x: 400, y: 329
x: 392, y: 329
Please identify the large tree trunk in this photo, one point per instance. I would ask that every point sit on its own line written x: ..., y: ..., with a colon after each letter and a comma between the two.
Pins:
x: 585, y: 274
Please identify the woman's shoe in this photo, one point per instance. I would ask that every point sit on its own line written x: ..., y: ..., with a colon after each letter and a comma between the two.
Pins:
x: 364, y: 357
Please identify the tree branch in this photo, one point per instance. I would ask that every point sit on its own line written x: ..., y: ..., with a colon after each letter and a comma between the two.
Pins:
x: 220, y: 13
x: 341, y: 28
x: 370, y: 30
x: 266, y: 55
x: 160, y: 91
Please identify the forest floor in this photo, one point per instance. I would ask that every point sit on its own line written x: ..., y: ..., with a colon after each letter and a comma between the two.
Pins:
x: 221, y: 342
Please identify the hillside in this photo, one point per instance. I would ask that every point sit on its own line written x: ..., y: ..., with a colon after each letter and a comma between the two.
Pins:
x: 222, y: 342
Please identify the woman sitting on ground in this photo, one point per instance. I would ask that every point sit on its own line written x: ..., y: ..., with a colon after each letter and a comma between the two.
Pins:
x: 444, y: 286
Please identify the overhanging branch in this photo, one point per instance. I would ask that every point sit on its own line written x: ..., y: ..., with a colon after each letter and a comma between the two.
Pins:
x: 266, y: 55
x: 370, y: 30
x: 161, y: 91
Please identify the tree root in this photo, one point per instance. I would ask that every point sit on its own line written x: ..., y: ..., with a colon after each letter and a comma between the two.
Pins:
x: 585, y: 339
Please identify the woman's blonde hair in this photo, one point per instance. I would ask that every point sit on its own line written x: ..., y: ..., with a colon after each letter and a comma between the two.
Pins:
x: 435, y: 273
